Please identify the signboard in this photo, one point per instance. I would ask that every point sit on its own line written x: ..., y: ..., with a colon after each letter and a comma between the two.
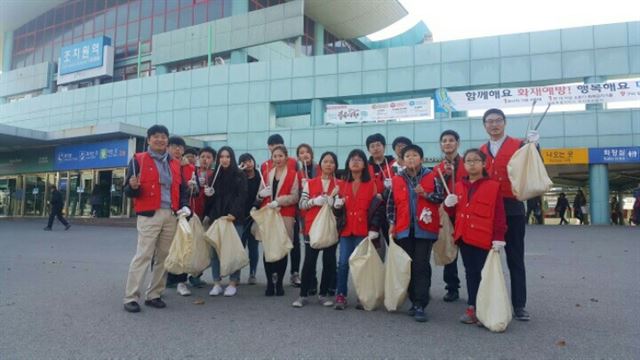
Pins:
x: 88, y: 156
x: 614, y: 155
x: 554, y: 94
x: 393, y: 110
x: 565, y: 156
x: 83, y: 55
x: 40, y: 160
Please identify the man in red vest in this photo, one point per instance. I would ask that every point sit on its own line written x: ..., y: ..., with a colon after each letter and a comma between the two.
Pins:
x: 499, y: 151
x: 154, y: 182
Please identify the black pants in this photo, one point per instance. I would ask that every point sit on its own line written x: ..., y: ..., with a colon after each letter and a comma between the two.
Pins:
x: 420, y: 252
x: 562, y: 219
x: 176, y: 278
x: 450, y: 276
x: 473, y: 259
x: 56, y: 212
x: 329, y: 271
x: 278, y: 267
x: 295, y: 252
x: 515, y: 259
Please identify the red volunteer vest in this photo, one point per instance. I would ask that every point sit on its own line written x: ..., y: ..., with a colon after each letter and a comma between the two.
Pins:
x: 400, y: 193
x: 315, y: 189
x: 285, y: 189
x: 497, y: 167
x: 460, y: 172
x: 150, y: 192
x: 474, y: 220
x: 378, y: 177
x: 357, y: 207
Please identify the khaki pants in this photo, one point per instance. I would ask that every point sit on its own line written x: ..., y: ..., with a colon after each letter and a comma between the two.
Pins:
x: 155, y: 235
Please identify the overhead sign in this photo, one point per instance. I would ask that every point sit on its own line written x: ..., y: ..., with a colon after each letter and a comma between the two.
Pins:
x: 393, y: 110
x: 40, y: 160
x: 565, y: 156
x: 614, y: 155
x: 90, y: 156
x: 83, y: 55
x: 524, y: 96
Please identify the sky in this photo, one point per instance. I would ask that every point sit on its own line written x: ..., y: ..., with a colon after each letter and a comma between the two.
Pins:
x: 452, y: 20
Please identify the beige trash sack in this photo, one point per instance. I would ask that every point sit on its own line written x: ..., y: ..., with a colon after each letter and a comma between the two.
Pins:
x: 493, y: 305
x: 367, y: 271
x: 397, y: 275
x: 324, y: 230
x: 444, y: 249
x: 222, y: 235
x: 527, y: 173
x: 189, y: 253
x: 271, y: 231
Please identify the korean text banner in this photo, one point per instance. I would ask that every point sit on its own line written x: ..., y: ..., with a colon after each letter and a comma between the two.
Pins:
x: 89, y: 156
x: 611, y: 155
x: 553, y: 94
x: 564, y: 156
x: 83, y: 55
x: 393, y: 110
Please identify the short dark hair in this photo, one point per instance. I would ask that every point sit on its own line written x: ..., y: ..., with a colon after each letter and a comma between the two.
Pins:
x: 275, y: 139
x: 157, y: 129
x: 245, y: 157
x: 412, y: 147
x: 451, y: 133
x: 177, y: 140
x: 377, y: 137
x: 335, y: 160
x: 493, y: 111
x: 191, y: 151
x: 307, y: 146
x: 208, y: 149
x: 365, y: 173
x: 482, y: 156
x: 401, y: 140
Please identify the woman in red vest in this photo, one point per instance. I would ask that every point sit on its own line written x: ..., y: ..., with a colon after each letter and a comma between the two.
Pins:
x: 317, y: 192
x: 356, y: 196
x: 414, y: 221
x: 480, y: 222
x: 281, y: 193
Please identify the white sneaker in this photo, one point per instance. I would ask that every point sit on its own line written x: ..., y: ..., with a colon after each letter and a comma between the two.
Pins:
x: 216, y: 290
x: 300, y: 302
x: 230, y: 290
x: 325, y: 301
x: 183, y: 290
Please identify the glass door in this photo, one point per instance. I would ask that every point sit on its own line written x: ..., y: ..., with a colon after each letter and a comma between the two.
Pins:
x: 10, y: 201
x: 34, y: 195
x: 117, y: 202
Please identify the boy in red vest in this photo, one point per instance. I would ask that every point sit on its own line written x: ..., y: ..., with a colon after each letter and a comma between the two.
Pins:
x: 155, y: 183
x: 499, y: 150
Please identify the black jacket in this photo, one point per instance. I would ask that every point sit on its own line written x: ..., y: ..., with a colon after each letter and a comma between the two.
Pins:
x: 57, y: 201
x: 230, y: 196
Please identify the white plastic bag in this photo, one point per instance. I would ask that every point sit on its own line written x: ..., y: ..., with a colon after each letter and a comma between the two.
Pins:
x: 324, y: 231
x: 270, y: 229
x: 527, y: 173
x: 189, y: 253
x: 397, y: 275
x: 367, y: 271
x: 444, y: 249
x: 222, y: 235
x: 493, y: 305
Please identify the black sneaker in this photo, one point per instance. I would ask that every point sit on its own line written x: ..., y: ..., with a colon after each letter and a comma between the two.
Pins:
x: 156, y: 303
x: 521, y: 314
x: 419, y: 315
x: 412, y: 311
x: 47, y: 229
x: 66, y: 227
x: 132, y: 307
x: 451, y: 296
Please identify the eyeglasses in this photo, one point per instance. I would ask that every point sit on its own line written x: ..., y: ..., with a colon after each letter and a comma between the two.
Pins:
x: 494, y: 122
x: 472, y: 161
x: 355, y: 160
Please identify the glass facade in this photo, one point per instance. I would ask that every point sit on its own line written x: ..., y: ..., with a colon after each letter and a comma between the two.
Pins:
x: 127, y: 22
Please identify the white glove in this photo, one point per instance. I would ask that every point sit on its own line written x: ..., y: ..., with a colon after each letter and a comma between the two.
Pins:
x: 242, y: 166
x: 426, y: 216
x: 373, y: 235
x: 185, y: 211
x: 338, y: 203
x: 451, y: 200
x: 497, y: 244
x: 209, y: 191
x: 193, y: 183
x: 533, y: 136
x: 273, y: 205
x: 387, y: 183
x: 265, y: 192
x: 319, y: 200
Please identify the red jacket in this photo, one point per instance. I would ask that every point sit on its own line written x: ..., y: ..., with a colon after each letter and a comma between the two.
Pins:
x: 460, y: 172
x: 150, y: 193
x: 315, y: 189
x: 401, y: 201
x: 387, y: 172
x: 482, y: 219
x: 497, y: 167
x: 285, y: 187
x: 356, y: 206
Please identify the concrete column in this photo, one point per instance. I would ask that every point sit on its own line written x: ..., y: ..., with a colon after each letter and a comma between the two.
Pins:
x: 161, y: 69
x: 239, y: 7
x: 592, y: 80
x: 318, y: 43
x: 317, y: 112
x: 599, y: 194
x: 7, y: 50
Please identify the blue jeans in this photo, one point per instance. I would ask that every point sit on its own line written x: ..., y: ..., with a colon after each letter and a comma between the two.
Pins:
x: 346, y: 246
x: 251, y: 243
x: 215, y: 263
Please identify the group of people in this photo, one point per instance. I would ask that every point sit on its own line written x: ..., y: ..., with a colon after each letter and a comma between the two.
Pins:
x: 380, y: 197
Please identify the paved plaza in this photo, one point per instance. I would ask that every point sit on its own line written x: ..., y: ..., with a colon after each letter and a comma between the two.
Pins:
x: 61, y: 298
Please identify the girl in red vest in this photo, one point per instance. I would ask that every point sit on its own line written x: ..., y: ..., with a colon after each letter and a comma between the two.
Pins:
x: 281, y: 193
x: 480, y: 222
x: 414, y: 221
x: 317, y: 192
x: 362, y: 218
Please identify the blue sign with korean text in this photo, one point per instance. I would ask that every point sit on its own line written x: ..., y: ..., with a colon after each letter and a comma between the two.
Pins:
x: 614, y: 155
x: 83, y: 55
x: 89, y: 156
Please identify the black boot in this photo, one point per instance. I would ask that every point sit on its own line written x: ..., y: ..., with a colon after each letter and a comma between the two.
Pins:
x: 278, y: 284
x: 271, y: 285
x: 452, y: 295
